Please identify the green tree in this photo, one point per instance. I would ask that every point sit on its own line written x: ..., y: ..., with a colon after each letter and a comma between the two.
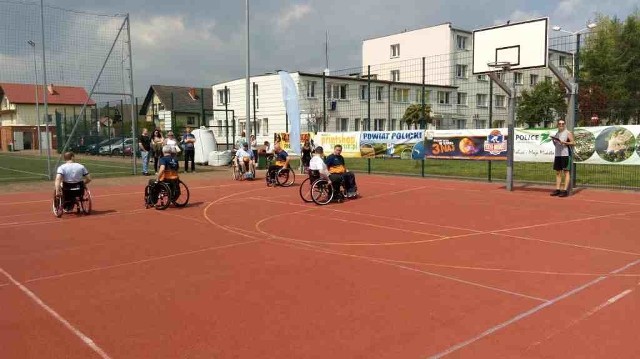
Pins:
x: 544, y: 103
x: 610, y: 61
x: 417, y: 115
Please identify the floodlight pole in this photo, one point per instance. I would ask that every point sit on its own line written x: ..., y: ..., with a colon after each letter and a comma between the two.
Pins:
x: 44, y: 88
x: 247, y: 82
x: 35, y: 72
x: 134, y: 111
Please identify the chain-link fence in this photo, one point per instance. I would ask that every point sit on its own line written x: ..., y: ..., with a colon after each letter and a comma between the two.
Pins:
x: 58, y: 66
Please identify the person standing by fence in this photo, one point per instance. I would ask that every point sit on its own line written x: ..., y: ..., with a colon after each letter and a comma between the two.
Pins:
x: 144, y: 144
x: 563, y: 141
x: 189, y: 140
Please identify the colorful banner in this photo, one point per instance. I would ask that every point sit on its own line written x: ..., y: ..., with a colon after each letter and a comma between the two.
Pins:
x: 350, y: 142
x: 595, y: 145
x: 284, y: 139
x: 406, y: 144
x: 481, y: 144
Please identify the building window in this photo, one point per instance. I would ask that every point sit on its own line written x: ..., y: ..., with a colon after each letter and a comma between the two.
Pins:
x: 562, y: 61
x: 379, y: 93
x: 443, y: 97
x: 482, y: 78
x: 395, y: 50
x: 499, y: 75
x: 461, y: 42
x: 191, y: 120
x: 500, y: 101
x: 221, y: 99
x: 533, y: 79
x: 395, y: 75
x: 344, y: 125
x: 356, y: 125
x: 461, y: 71
x: 499, y: 123
x: 548, y: 78
x: 426, y: 96
x: 519, y: 78
x: 400, y: 95
x: 393, y: 124
x: 461, y: 124
x: 462, y: 99
x: 364, y: 92
x: 311, y: 89
x: 378, y: 124
x: 338, y: 92
x: 481, y: 100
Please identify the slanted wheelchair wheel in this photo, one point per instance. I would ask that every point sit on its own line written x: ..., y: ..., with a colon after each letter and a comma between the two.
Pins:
x: 236, y: 173
x: 147, y: 197
x: 56, y: 205
x: 181, y: 198
x: 85, y: 202
x: 163, y: 196
x: 321, y: 192
x: 285, y: 177
x: 305, y: 190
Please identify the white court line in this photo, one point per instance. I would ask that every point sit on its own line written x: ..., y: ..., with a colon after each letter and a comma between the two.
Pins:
x: 27, y: 172
x: 59, y: 221
x: 567, y: 244
x: 530, y: 312
x: 152, y: 259
x: 85, y: 339
x: 584, y: 316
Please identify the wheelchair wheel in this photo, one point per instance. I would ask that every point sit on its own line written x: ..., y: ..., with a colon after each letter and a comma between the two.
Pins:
x: 57, y: 205
x: 236, y: 173
x: 147, y: 197
x: 162, y: 194
x: 85, y: 202
x: 285, y: 177
x: 321, y: 192
x: 181, y: 198
x: 305, y: 190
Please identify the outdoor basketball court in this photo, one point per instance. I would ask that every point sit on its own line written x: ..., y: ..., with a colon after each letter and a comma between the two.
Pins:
x: 415, y: 268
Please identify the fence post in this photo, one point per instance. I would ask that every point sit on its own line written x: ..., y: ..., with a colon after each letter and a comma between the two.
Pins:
x: 324, y: 101
x: 369, y: 97
x: 489, y: 170
x: 204, y: 120
x: 226, y: 117
x: 423, y: 163
x: 369, y: 165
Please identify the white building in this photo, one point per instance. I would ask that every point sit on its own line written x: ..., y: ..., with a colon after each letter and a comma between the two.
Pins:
x: 448, y: 61
x: 345, y: 99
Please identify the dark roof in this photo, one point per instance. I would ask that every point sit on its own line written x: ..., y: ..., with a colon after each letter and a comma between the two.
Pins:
x: 59, y: 95
x: 181, y: 101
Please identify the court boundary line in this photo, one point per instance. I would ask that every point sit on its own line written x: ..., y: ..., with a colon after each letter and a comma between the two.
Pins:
x: 77, y: 332
x: 529, y: 312
x: 27, y: 172
x: 568, y: 244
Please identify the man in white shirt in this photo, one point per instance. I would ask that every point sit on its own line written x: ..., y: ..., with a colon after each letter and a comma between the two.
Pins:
x: 70, y: 175
x: 317, y: 163
x: 244, y: 157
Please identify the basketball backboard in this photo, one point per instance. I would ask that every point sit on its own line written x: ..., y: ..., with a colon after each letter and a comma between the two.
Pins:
x: 523, y: 45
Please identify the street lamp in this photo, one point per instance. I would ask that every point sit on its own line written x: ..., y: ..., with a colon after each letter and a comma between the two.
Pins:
x: 573, y: 99
x: 35, y: 71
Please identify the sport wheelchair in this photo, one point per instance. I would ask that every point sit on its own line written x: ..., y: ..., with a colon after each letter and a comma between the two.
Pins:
x: 285, y: 177
x: 161, y: 194
x: 73, y: 196
x: 239, y: 170
x: 320, y: 190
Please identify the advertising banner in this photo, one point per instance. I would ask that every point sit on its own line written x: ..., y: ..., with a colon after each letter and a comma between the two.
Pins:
x: 406, y: 144
x: 350, y: 142
x: 284, y: 139
x: 481, y: 144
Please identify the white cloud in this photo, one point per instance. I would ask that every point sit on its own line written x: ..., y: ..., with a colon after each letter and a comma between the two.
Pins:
x: 567, y: 9
x: 168, y: 31
x: 293, y: 14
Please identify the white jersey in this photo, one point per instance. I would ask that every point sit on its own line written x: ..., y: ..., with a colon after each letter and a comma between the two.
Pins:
x: 317, y: 164
x: 72, y: 172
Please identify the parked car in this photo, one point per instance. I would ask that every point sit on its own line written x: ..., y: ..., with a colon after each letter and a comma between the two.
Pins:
x: 116, y: 149
x: 94, y: 149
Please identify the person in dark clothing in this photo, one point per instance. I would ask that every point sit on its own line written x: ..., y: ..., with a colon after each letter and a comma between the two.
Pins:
x: 306, y: 155
x: 189, y: 140
x: 338, y: 170
x: 144, y: 145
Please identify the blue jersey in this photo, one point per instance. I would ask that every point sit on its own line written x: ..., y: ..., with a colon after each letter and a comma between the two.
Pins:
x: 281, y: 158
x: 170, y: 168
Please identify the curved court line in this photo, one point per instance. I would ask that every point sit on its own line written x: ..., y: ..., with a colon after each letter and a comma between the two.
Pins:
x: 292, y: 243
x: 85, y: 339
x: 529, y: 312
x: 568, y: 244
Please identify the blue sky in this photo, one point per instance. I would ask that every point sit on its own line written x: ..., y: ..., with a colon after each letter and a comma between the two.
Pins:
x: 201, y: 42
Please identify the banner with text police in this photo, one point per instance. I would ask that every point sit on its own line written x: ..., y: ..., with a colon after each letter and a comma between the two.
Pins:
x: 481, y: 144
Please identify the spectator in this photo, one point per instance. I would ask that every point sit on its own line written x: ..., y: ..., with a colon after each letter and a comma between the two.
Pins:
x: 254, y: 146
x: 144, y: 144
x: 157, y: 141
x: 171, y: 141
x: 189, y: 141
x: 306, y: 155
x: 562, y: 141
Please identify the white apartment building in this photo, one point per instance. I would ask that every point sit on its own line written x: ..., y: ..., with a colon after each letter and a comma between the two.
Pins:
x: 448, y: 61
x: 344, y: 98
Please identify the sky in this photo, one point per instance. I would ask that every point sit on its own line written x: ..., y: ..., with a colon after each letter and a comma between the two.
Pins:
x: 201, y: 42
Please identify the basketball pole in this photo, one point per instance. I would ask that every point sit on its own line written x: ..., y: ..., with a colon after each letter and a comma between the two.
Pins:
x: 511, y: 92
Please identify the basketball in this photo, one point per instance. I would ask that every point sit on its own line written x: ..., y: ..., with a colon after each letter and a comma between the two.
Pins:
x: 246, y: 158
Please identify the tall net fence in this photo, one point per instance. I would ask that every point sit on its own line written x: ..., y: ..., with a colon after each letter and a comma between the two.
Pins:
x: 78, y: 63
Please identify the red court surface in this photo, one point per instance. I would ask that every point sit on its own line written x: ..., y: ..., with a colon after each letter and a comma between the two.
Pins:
x: 415, y: 268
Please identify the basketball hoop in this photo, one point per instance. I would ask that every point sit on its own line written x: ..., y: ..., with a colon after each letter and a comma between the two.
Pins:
x: 500, y: 65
